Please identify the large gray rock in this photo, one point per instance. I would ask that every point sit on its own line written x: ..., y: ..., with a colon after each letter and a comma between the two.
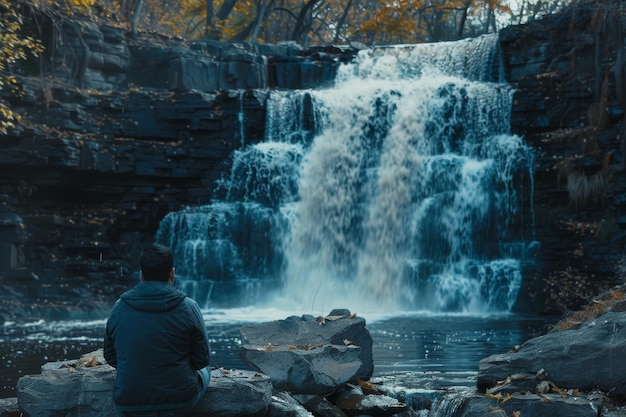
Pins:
x: 319, y: 406
x: 311, y: 369
x: 65, y: 389
x: 353, y: 401
x: 338, y: 328
x: 587, y: 358
x: 237, y: 393
x: 284, y: 405
x: 9, y: 408
x: 83, y: 388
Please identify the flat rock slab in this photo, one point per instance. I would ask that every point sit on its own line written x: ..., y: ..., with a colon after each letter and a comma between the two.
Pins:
x: 530, y: 405
x: 236, y: 392
x: 83, y: 388
x: 588, y: 358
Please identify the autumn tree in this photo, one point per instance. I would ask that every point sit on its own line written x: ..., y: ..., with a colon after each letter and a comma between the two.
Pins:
x: 13, y: 47
x: 315, y: 21
x: 528, y: 10
x: 431, y: 20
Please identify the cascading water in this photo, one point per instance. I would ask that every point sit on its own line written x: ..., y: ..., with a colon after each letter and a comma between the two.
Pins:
x: 395, y: 190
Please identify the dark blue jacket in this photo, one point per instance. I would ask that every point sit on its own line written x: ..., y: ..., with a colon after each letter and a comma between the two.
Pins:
x: 156, y: 338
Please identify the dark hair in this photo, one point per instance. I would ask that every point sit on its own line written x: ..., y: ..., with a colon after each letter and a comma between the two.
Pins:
x: 156, y: 262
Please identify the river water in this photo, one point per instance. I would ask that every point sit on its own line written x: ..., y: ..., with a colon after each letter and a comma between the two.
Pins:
x: 415, y: 351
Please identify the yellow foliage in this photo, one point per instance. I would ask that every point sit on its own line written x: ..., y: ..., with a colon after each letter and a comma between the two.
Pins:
x: 13, y: 47
x: 82, y: 3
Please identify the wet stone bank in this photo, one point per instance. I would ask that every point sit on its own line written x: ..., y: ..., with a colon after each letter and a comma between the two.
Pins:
x: 538, y: 377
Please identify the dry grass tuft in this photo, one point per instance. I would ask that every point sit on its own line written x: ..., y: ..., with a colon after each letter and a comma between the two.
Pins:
x: 584, y: 188
x: 598, y: 307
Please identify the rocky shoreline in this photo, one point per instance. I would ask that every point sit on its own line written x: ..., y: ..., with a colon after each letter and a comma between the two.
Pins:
x: 570, y: 372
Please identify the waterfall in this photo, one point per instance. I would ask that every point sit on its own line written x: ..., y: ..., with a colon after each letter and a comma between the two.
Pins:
x: 397, y: 189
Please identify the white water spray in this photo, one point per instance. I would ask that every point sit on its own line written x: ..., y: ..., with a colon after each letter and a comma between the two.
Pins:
x: 398, y: 191
x: 394, y: 190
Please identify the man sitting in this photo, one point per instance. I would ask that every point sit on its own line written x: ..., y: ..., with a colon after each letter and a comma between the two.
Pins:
x: 156, y: 338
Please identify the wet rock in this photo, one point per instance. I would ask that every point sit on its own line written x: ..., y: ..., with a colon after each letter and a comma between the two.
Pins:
x: 353, y: 402
x: 83, y: 388
x: 284, y: 405
x: 65, y: 389
x: 312, y: 369
x: 339, y: 328
x: 319, y: 406
x: 530, y: 405
x: 237, y: 393
x: 587, y: 358
x: 9, y: 408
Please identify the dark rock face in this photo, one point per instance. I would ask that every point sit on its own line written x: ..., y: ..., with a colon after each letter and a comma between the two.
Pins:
x: 586, y: 358
x: 115, y: 132
x: 118, y: 133
x: 76, y: 209
x: 565, y: 105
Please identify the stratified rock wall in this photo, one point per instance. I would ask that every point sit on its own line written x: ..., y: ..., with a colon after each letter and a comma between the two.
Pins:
x: 76, y: 207
x: 115, y: 132
x: 565, y: 105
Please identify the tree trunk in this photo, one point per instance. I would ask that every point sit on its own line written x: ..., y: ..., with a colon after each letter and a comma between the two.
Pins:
x: 461, y: 29
x: 244, y: 34
x: 135, y: 18
x: 226, y: 8
x: 209, y: 31
x: 304, y: 21
x: 341, y: 21
x: 260, y: 18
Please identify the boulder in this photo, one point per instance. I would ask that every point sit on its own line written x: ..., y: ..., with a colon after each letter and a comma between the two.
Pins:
x: 237, y: 393
x: 587, y: 358
x: 354, y: 402
x: 284, y: 405
x: 340, y: 327
x: 83, y: 388
x: 319, y: 406
x: 65, y: 388
x: 9, y: 408
x: 299, y: 369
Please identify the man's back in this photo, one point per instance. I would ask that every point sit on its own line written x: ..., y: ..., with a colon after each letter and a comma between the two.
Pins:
x: 156, y: 339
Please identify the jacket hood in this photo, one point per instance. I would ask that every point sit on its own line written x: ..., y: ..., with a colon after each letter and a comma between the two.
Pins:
x: 153, y: 296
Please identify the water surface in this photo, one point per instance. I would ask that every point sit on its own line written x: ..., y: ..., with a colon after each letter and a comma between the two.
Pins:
x: 423, y: 351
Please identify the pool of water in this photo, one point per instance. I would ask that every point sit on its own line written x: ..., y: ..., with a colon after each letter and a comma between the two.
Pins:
x: 420, y: 350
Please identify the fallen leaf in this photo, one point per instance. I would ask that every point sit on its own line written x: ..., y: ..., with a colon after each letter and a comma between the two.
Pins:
x: 497, y: 396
